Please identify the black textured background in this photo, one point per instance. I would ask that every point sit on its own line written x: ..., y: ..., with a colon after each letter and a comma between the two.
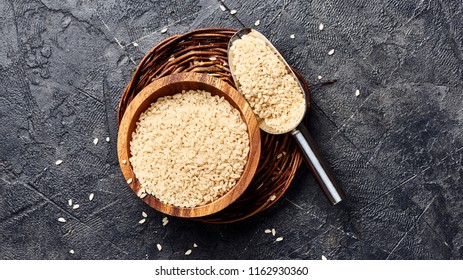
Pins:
x: 397, y: 147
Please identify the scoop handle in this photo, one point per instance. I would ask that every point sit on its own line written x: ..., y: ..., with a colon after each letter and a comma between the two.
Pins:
x: 320, y: 168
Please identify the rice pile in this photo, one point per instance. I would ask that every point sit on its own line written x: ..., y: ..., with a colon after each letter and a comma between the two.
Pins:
x: 273, y: 93
x: 189, y: 149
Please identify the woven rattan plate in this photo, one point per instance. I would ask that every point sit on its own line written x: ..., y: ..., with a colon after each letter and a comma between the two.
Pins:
x: 205, y: 51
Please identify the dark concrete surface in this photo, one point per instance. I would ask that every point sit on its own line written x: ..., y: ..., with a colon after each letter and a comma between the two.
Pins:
x: 397, y: 147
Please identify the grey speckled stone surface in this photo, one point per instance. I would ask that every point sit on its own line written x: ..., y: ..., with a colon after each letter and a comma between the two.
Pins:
x: 397, y: 147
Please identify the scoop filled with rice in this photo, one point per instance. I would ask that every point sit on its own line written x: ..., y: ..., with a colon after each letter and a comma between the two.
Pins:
x: 262, y: 77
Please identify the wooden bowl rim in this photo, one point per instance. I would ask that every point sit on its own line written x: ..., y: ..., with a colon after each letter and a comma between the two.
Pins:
x: 125, y: 136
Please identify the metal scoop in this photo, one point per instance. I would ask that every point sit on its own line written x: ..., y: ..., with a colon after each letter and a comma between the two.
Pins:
x: 320, y: 168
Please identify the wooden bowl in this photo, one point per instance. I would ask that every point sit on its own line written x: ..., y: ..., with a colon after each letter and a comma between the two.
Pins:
x: 171, y: 85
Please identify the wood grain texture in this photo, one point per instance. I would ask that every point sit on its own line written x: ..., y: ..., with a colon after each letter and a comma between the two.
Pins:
x: 171, y: 85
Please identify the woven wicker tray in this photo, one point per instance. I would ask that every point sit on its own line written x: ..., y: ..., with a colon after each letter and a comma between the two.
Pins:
x: 205, y: 51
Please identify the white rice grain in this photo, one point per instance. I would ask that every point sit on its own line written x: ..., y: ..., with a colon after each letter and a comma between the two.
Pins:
x: 159, y: 246
x: 61, y: 220
x: 272, y: 91
x: 188, y: 252
x: 279, y: 239
x: 331, y: 52
x: 58, y: 162
x: 200, y: 164
x: 91, y: 196
x: 95, y: 141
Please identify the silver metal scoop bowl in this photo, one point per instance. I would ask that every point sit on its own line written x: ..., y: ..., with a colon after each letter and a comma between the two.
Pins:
x: 320, y: 168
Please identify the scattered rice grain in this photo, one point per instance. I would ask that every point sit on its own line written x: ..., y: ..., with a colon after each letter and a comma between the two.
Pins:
x: 91, y: 196
x: 71, y: 252
x: 188, y: 252
x: 273, y: 197
x: 171, y: 58
x: 257, y: 22
x: 164, y: 30
x: 129, y: 181
x: 165, y: 221
x: 274, y: 231
x: 292, y: 36
x: 212, y: 58
x: 324, y: 258
x: 357, y: 92
x: 331, y: 52
x: 124, y: 161
x: 61, y: 220
x: 222, y: 7
x: 159, y: 247
x: 144, y: 214
x: 268, y: 230
x: 141, y: 193
x: 76, y: 206
x: 58, y: 162
x: 70, y: 202
x: 279, y: 239
x: 279, y: 156
x: 195, y: 245
x: 232, y: 12
x: 142, y: 221
x: 319, y: 77
x: 95, y: 141
x: 321, y: 26
x: 107, y: 139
